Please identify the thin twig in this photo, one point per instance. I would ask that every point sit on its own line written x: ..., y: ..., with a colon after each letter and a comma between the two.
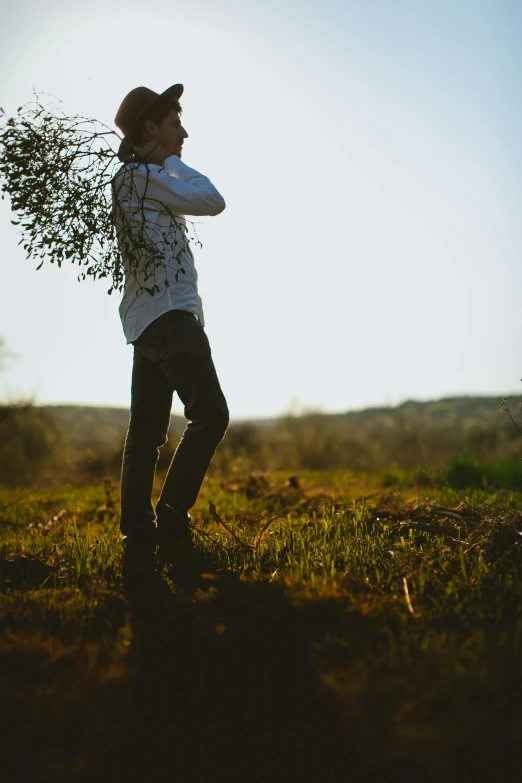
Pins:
x: 407, y: 596
x: 258, y: 540
x: 199, y: 532
x: 504, y: 407
x: 215, y: 516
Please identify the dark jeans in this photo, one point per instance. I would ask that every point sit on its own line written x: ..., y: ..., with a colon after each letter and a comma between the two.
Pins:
x: 172, y: 354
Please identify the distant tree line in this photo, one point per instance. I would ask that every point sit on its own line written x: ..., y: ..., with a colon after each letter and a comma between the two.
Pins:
x: 469, y: 436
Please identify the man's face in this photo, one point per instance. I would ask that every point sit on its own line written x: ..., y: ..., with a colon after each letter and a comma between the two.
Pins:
x: 170, y: 133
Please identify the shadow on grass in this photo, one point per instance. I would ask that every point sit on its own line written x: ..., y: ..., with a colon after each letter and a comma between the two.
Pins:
x: 225, y: 689
x: 220, y: 683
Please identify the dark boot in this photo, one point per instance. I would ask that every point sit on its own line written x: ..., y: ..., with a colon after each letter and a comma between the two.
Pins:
x: 139, y: 564
x: 175, y: 541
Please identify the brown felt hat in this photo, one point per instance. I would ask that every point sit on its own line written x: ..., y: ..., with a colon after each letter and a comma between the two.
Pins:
x: 134, y: 107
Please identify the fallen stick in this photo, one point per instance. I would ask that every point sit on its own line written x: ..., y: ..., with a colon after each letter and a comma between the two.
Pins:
x: 442, y: 511
x: 435, y: 530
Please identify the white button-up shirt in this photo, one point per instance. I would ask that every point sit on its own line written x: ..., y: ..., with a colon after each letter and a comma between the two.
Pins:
x: 149, y: 196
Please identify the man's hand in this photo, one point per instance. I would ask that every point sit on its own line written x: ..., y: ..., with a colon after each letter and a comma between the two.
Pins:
x: 152, y: 152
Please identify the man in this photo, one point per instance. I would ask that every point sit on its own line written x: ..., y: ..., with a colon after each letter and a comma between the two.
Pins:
x: 162, y: 318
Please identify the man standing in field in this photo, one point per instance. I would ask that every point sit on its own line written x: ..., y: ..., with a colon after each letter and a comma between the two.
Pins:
x: 162, y: 318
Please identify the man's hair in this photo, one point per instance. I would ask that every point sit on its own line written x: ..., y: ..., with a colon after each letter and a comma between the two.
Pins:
x: 157, y: 113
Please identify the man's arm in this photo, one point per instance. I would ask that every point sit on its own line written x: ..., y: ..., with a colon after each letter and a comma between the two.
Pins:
x: 175, y: 185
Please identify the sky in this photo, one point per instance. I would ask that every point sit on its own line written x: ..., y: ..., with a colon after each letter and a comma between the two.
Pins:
x: 369, y: 155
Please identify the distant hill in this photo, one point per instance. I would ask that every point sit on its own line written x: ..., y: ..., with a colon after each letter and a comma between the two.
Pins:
x: 447, y: 412
x: 99, y: 427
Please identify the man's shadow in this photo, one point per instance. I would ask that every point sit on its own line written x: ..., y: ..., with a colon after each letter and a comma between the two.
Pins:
x: 225, y: 688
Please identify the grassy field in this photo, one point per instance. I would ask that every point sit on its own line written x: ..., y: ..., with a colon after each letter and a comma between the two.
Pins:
x: 370, y: 634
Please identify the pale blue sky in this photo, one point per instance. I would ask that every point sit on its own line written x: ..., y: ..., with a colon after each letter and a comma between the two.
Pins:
x: 369, y: 154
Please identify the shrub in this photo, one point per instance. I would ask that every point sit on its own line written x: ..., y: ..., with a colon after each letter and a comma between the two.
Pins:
x: 29, y: 437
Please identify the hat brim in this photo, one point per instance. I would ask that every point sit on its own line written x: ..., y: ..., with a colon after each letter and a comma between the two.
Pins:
x: 175, y: 90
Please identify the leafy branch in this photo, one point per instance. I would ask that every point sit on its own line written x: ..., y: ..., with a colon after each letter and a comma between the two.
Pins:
x: 62, y: 176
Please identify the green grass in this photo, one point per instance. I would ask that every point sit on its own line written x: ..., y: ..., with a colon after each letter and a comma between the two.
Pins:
x: 351, y: 632
x: 465, y: 471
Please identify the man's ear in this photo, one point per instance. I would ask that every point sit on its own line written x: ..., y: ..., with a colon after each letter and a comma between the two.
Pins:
x: 150, y: 128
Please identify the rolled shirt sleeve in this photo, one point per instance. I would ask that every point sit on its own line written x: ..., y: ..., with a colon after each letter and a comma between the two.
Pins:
x: 177, y: 187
